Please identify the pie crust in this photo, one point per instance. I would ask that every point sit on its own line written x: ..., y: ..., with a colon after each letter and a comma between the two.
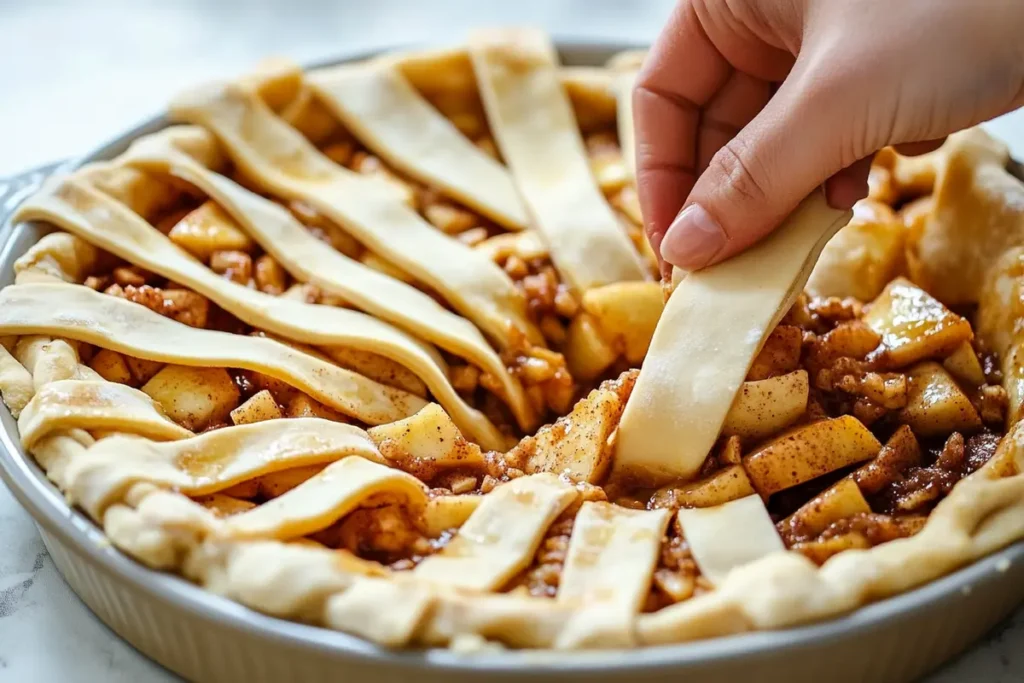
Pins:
x: 374, y: 461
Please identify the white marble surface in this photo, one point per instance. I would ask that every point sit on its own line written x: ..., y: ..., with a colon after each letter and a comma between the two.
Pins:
x: 76, y: 72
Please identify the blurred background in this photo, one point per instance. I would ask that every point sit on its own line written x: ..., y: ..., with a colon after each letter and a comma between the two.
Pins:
x: 76, y: 72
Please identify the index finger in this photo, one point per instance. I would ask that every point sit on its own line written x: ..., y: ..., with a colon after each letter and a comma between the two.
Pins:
x: 681, y: 74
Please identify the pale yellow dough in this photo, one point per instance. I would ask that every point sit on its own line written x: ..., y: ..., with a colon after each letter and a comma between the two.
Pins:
x: 712, y: 328
x: 501, y: 536
x: 730, y: 535
x: 540, y: 141
x: 96, y: 405
x: 136, y: 331
x: 304, y: 257
x: 114, y: 453
x: 383, y: 110
x: 75, y: 206
x: 611, y: 556
x: 284, y: 162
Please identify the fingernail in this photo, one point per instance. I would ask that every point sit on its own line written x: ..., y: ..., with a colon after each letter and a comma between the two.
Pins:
x: 693, y: 239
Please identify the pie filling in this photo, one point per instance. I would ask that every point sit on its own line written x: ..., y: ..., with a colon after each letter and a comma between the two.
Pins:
x: 381, y: 347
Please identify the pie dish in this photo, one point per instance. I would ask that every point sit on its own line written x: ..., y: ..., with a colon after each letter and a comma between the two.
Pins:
x: 338, y: 247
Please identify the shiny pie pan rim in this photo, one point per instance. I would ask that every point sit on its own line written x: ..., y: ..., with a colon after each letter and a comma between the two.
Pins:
x: 74, y: 529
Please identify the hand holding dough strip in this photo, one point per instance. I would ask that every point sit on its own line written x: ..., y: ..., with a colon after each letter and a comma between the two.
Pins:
x: 305, y: 257
x: 79, y: 313
x: 82, y: 210
x: 534, y: 125
x: 299, y: 580
x: 388, y: 115
x: 712, y: 328
x: 285, y: 163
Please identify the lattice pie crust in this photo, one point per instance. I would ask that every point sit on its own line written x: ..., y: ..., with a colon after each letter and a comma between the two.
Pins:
x: 483, y: 269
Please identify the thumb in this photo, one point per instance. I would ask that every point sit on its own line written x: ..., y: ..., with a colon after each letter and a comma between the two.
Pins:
x: 752, y: 183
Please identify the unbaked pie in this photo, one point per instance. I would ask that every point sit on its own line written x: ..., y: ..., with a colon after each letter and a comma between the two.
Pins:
x: 358, y: 347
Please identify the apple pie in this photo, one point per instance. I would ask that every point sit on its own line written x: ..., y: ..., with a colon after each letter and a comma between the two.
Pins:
x: 381, y: 347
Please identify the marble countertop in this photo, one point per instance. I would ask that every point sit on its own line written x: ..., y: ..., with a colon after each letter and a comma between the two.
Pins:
x: 76, y: 73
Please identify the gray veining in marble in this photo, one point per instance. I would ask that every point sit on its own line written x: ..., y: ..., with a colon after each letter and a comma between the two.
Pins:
x: 73, y: 73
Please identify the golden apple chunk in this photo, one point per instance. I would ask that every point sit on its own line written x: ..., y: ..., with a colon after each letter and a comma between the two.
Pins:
x: 195, y: 398
x: 779, y: 355
x: 112, y: 367
x: 767, y: 406
x: 820, y: 550
x: 303, y: 405
x: 900, y: 453
x: 809, y: 451
x: 839, y: 501
x: 143, y: 370
x: 430, y: 436
x: 965, y: 366
x: 259, y: 408
x: 727, y: 484
x: 209, y: 229
x: 935, y: 404
x: 914, y: 325
x: 578, y: 445
x: 626, y: 313
x: 378, y: 368
x: 587, y: 352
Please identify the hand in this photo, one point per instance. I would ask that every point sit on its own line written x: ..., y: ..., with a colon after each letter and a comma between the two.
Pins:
x: 743, y: 107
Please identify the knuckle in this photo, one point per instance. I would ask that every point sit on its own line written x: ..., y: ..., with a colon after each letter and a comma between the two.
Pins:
x: 739, y: 173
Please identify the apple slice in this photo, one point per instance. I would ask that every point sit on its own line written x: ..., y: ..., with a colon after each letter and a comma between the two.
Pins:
x: 839, y: 501
x: 809, y: 451
x: 914, y: 325
x: 936, y: 404
x: 723, y: 486
x: 768, y: 406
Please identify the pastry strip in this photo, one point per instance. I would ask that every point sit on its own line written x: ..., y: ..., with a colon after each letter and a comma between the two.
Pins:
x: 325, y: 498
x: 213, y: 461
x: 16, y: 384
x: 82, y: 210
x: 712, y: 328
x: 534, y: 125
x: 283, y: 162
x: 625, y: 78
x: 501, y: 537
x: 390, y: 117
x: 304, y: 256
x: 106, y: 406
x: 448, y: 73
x: 730, y: 535
x: 612, y: 554
x: 384, y: 611
x: 286, y: 579
x: 79, y: 313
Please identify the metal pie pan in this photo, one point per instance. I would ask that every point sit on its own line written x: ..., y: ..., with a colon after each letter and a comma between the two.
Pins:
x: 208, y: 638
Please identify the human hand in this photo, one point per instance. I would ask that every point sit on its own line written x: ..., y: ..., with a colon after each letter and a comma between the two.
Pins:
x: 743, y: 107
